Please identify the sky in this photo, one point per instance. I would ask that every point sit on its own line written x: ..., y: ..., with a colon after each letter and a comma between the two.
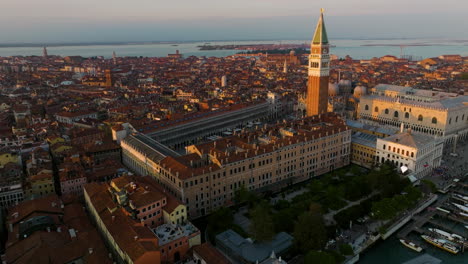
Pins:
x: 49, y: 21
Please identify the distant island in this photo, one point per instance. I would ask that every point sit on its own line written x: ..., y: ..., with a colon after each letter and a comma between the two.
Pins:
x: 298, y: 51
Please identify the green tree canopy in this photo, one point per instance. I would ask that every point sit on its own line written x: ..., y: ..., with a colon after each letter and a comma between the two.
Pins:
x: 318, y: 257
x: 346, y: 250
x: 242, y: 195
x: 310, y: 232
x: 261, y: 222
x: 220, y: 219
x: 384, y: 209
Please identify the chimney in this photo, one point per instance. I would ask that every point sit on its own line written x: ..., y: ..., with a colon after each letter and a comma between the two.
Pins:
x: 10, y: 225
x: 90, y: 250
x: 113, y: 218
x: 135, y: 238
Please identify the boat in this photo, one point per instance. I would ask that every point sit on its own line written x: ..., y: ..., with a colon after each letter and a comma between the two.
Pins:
x: 461, y: 196
x: 452, y: 237
x: 461, y: 207
x: 466, y: 227
x: 442, y: 244
x: 442, y: 233
x: 411, y: 245
x: 443, y: 210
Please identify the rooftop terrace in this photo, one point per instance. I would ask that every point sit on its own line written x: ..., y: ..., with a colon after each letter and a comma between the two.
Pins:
x: 168, y: 232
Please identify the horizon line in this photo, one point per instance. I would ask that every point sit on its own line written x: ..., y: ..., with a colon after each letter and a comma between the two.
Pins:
x: 146, y: 42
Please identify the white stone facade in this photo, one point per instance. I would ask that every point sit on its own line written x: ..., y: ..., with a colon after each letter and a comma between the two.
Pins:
x: 419, y: 153
x: 427, y: 112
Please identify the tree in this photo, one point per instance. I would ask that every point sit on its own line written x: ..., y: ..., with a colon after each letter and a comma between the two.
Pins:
x: 242, y: 195
x: 383, y: 209
x: 318, y: 257
x: 282, y: 204
x: 346, y: 250
x: 261, y: 222
x: 315, y: 209
x: 316, y: 186
x: 220, y: 220
x: 310, y: 232
x: 412, y: 193
x: 428, y: 186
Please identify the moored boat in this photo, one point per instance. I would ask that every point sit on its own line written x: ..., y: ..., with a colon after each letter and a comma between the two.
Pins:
x: 442, y: 244
x: 447, y: 235
x: 411, y: 245
x: 461, y: 196
x: 461, y: 207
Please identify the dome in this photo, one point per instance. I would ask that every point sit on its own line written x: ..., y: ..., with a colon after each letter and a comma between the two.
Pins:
x: 359, y: 91
x: 333, y: 89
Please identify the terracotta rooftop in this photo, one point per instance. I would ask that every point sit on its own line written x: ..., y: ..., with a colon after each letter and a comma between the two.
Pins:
x: 210, y: 254
x: 137, y: 241
x: 247, y: 144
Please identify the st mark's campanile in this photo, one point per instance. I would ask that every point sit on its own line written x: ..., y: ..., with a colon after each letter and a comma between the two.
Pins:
x: 319, y: 69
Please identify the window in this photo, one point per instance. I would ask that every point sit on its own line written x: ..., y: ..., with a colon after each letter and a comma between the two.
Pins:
x: 406, y: 115
x: 456, y: 119
x: 434, y: 120
x: 366, y: 107
x: 420, y: 118
x: 395, y: 114
x: 386, y: 111
x: 376, y: 109
x: 450, y: 121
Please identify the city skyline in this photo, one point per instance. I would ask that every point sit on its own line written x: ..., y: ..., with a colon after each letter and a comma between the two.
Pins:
x: 226, y: 132
x: 51, y: 21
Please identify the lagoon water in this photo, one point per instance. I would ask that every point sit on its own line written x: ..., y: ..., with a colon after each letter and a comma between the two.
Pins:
x: 391, y: 251
x: 358, y: 49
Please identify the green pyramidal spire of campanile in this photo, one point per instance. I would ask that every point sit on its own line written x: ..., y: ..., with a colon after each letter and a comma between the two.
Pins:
x: 320, y: 35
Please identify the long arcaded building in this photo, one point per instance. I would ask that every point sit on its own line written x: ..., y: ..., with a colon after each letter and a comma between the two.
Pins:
x: 190, y: 129
x: 262, y: 159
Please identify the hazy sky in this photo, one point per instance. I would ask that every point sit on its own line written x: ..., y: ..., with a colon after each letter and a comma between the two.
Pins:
x: 158, y: 20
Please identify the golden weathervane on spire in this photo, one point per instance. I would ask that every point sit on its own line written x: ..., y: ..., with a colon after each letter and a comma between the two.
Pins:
x: 322, y: 10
